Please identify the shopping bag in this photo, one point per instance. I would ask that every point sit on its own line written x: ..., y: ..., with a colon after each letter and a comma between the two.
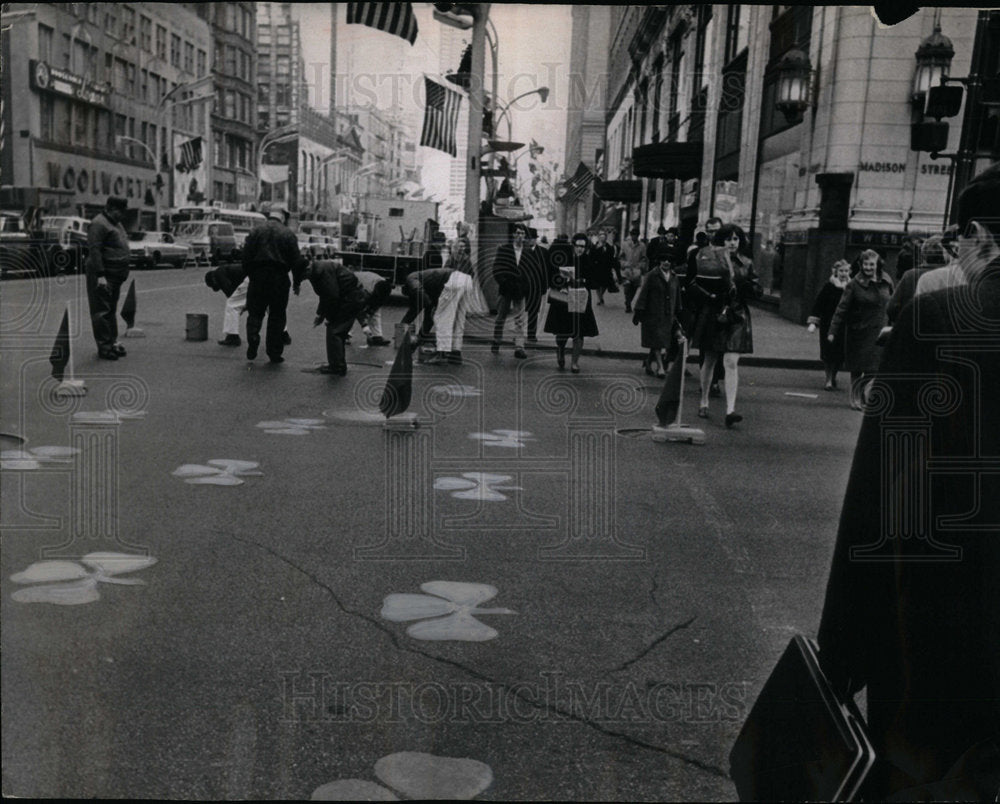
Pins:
x: 577, y: 300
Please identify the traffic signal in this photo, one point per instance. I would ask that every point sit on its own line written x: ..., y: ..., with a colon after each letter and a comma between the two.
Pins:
x: 943, y: 101
x: 931, y: 137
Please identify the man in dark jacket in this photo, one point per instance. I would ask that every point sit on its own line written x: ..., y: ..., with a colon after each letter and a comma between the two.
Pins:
x: 537, y: 274
x: 270, y: 252
x: 912, y: 610
x: 107, y: 269
x: 342, y: 300
x: 510, y: 269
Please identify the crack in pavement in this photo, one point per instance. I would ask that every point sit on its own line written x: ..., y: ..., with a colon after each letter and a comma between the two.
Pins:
x: 515, y: 690
x: 664, y: 636
x: 652, y: 591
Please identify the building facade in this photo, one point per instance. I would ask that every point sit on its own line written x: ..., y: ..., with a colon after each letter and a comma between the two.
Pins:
x: 698, y: 111
x: 92, y: 92
x: 233, y: 151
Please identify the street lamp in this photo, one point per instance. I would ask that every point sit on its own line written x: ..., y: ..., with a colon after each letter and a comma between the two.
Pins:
x: 542, y: 92
x: 794, y: 91
x: 933, y: 61
x: 119, y: 138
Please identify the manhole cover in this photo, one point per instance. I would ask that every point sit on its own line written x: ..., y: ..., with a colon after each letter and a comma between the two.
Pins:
x: 634, y: 432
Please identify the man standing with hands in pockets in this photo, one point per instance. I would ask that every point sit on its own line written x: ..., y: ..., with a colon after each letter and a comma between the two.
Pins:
x: 107, y: 269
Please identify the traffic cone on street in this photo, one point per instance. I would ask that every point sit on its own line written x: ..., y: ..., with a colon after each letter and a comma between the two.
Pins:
x: 673, y: 393
x: 61, y: 359
x: 128, y: 314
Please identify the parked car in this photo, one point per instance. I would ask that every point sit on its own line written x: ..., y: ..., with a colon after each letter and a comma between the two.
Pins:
x: 210, y: 241
x: 66, y: 236
x: 150, y: 249
x: 19, y: 256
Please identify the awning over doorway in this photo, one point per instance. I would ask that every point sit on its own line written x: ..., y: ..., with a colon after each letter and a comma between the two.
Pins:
x: 628, y: 192
x: 668, y: 160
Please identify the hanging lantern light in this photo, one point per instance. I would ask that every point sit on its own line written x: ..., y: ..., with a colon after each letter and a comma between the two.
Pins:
x: 933, y: 62
x: 794, y: 94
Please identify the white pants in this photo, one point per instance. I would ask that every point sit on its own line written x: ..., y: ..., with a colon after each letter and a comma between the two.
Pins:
x: 374, y: 323
x: 235, y: 305
x: 452, y: 306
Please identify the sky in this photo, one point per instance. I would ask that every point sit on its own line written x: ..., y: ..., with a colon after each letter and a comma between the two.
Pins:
x: 533, y: 51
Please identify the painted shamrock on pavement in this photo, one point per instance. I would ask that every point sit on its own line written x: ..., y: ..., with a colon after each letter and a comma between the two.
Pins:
x: 66, y: 583
x: 456, y: 390
x: 452, y: 604
x: 415, y: 775
x: 503, y: 438
x: 20, y: 460
x: 219, y: 472
x: 476, y: 486
x: 292, y: 426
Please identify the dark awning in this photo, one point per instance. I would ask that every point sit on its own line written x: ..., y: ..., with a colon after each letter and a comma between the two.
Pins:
x: 629, y: 192
x: 668, y: 160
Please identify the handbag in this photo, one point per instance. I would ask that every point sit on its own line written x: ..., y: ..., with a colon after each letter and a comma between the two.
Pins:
x: 729, y: 316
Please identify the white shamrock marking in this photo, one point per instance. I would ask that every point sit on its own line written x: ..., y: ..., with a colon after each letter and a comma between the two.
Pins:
x: 19, y: 460
x: 503, y: 438
x: 452, y: 604
x: 66, y: 583
x: 291, y: 426
x: 476, y: 486
x: 456, y: 390
x: 219, y: 472
x: 415, y: 775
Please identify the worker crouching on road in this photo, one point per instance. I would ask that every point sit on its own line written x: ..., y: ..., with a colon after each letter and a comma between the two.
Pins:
x: 342, y: 300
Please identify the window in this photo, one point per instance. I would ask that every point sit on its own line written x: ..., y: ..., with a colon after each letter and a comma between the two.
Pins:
x: 161, y: 41
x: 130, y: 86
x: 263, y: 93
x: 175, y: 50
x: 264, y: 65
x: 676, y: 55
x: 395, y: 212
x: 154, y: 89
x: 128, y: 25
x: 111, y: 19
x: 188, y: 57
x: 67, y: 52
x: 264, y: 35
x: 92, y: 12
x: 230, y: 107
x: 282, y: 95
x: 146, y: 34
x: 217, y: 150
x: 737, y: 30
x: 144, y: 86
x: 657, y: 93
x: 46, y: 116
x: 284, y: 35
x: 45, y: 43
x: 282, y: 66
x: 202, y: 63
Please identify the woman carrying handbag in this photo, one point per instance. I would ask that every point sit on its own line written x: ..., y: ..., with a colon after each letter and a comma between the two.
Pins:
x: 570, y: 314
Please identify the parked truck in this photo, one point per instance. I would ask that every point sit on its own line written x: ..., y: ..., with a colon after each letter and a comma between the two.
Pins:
x: 391, y: 236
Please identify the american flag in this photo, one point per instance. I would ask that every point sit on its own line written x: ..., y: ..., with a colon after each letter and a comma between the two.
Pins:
x: 394, y: 18
x: 440, y: 117
x: 190, y: 157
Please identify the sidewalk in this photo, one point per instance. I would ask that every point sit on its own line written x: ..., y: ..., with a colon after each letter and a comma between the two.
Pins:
x: 778, y: 343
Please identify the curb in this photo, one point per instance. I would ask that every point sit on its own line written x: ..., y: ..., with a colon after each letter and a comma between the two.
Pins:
x: 800, y: 364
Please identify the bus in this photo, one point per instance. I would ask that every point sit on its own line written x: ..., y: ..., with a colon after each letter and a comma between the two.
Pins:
x: 242, y: 221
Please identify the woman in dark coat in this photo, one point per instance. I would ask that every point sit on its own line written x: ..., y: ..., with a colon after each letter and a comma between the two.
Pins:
x: 570, y: 271
x: 860, y: 316
x: 657, y: 308
x: 733, y: 282
x: 831, y: 353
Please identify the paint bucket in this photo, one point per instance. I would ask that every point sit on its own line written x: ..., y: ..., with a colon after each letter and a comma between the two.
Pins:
x: 197, y: 327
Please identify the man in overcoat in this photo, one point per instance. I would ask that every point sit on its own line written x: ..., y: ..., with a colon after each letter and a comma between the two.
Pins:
x: 912, y: 610
x: 510, y: 269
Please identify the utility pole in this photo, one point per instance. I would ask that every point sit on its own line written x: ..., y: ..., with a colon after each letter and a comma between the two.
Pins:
x: 480, y: 13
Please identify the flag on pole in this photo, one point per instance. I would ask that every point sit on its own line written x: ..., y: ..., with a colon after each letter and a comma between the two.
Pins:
x: 190, y: 156
x: 60, y: 349
x: 440, y: 117
x: 128, y: 307
x: 393, y: 18
x: 399, y: 387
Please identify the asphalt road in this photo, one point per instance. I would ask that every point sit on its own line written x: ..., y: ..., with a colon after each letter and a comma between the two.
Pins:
x: 645, y: 590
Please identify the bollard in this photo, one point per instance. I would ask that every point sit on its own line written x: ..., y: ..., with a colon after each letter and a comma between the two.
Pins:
x: 197, y: 327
